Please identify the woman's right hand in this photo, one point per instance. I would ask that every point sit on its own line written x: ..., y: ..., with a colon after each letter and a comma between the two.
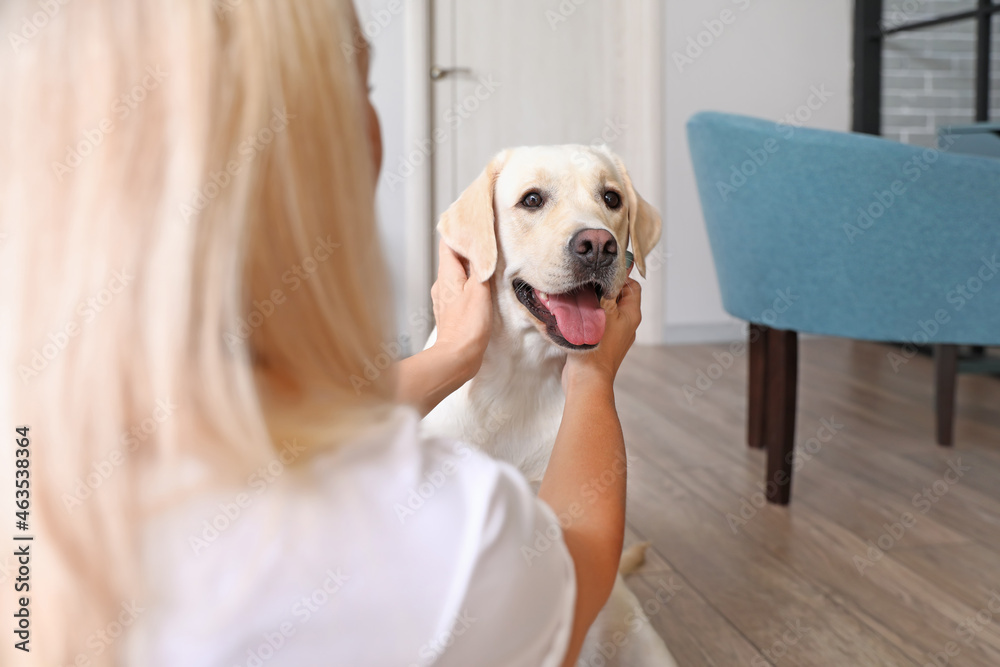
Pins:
x: 622, y: 320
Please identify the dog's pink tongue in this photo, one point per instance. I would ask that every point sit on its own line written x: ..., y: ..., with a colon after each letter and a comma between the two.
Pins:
x: 579, y: 316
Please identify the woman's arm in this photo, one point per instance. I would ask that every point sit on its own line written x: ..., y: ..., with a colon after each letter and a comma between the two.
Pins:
x: 463, y: 310
x: 588, y: 445
x: 427, y: 377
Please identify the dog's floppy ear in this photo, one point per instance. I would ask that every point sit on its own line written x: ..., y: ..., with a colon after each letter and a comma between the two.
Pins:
x: 643, y: 220
x: 468, y: 224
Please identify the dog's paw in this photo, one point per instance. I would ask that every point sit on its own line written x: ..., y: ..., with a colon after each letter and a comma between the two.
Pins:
x: 632, y: 558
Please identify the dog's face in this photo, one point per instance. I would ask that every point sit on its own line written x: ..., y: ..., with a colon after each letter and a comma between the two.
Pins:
x: 550, y: 226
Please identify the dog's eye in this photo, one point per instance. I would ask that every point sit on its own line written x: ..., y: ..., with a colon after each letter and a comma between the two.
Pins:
x: 532, y: 200
x: 612, y: 199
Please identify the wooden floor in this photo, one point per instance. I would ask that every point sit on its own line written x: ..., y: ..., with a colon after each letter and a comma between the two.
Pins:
x: 836, y: 578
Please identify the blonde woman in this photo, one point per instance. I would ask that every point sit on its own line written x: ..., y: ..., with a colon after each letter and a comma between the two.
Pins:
x: 186, y: 197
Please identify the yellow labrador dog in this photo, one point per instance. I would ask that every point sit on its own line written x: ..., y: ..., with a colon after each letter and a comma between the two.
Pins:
x: 549, y: 226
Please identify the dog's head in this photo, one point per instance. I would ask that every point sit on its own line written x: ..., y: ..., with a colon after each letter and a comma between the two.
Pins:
x: 549, y: 225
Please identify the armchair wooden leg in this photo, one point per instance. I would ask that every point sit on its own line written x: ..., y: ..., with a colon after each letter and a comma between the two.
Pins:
x: 779, y: 421
x: 756, y: 384
x: 945, y: 377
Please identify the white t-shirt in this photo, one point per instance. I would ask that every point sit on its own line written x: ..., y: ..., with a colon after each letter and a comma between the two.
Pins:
x: 392, y: 551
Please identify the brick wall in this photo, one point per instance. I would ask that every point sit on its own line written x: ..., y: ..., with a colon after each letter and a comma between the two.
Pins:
x: 928, y: 76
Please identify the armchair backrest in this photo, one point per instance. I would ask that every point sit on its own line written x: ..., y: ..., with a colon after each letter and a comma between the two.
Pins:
x: 847, y: 234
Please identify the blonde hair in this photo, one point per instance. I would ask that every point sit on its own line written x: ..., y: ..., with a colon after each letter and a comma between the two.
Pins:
x: 187, y: 194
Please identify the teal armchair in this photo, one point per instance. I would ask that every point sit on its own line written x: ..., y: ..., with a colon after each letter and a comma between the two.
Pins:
x: 866, y: 239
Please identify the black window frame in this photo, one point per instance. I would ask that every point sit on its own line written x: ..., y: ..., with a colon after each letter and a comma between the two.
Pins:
x: 870, y: 32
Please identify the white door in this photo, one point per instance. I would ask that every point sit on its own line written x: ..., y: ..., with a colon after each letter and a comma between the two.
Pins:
x: 521, y: 72
x: 529, y: 75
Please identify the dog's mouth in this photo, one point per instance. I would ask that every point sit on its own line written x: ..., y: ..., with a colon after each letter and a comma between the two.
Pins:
x: 573, y: 319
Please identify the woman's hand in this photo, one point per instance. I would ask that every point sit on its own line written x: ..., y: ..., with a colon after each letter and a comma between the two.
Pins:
x: 463, y: 310
x: 623, y: 317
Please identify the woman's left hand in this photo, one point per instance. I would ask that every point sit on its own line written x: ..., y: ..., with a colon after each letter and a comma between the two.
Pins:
x: 463, y: 309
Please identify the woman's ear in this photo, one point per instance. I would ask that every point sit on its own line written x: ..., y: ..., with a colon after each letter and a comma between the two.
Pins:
x: 643, y: 220
x: 468, y: 224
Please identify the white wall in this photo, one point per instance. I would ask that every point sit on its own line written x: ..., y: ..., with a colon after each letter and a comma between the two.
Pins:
x: 762, y: 63
x: 382, y: 23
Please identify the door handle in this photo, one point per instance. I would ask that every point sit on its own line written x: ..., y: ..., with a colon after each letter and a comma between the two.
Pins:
x: 438, y: 73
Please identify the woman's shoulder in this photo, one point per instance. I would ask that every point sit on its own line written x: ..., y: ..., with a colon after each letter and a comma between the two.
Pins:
x: 427, y: 532
x: 394, y: 475
x: 510, y: 585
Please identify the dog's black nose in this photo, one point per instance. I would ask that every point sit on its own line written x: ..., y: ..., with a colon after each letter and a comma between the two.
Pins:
x: 594, y: 248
